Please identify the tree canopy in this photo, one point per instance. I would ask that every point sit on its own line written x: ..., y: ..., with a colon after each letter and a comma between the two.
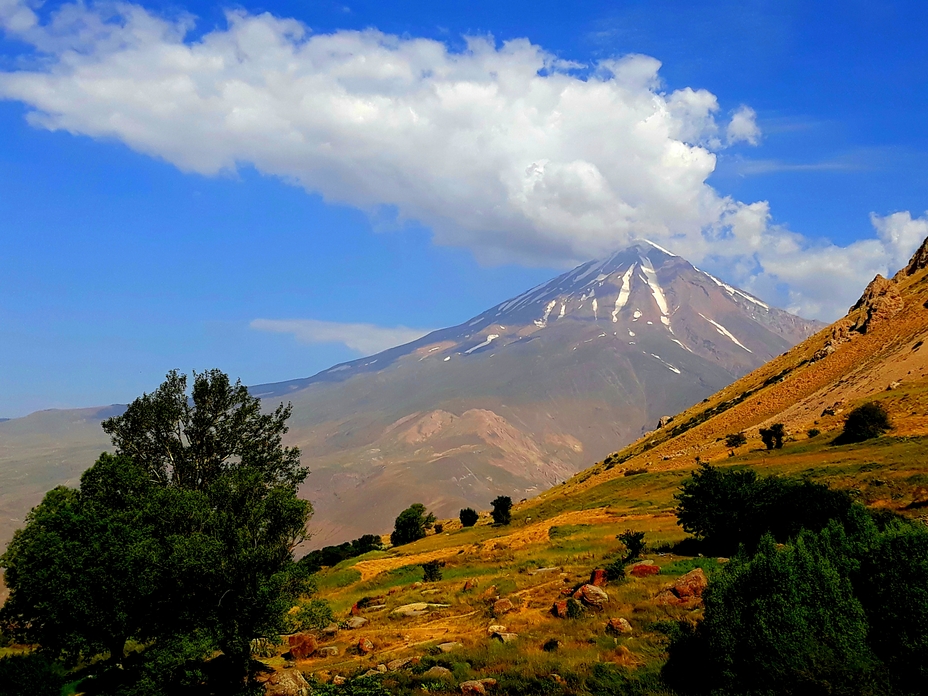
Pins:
x: 183, y: 538
x: 411, y: 524
x: 502, y: 509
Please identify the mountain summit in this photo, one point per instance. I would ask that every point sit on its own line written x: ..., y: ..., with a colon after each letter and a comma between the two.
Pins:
x: 511, y: 402
x: 527, y: 393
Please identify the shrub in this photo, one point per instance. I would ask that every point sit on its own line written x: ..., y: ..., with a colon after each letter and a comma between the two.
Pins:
x: 773, y: 436
x: 439, y: 528
x: 733, y: 440
x: 574, y: 609
x: 784, y: 621
x: 814, y: 432
x: 411, y: 524
x: 312, y: 616
x: 432, y: 571
x: 634, y: 544
x: 615, y: 570
x: 468, y: 517
x: 502, y: 510
x: 865, y: 423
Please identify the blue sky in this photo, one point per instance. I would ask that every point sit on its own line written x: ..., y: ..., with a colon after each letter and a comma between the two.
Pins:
x: 157, y: 211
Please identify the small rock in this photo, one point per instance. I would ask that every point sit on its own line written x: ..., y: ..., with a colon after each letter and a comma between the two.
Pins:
x: 365, y: 646
x: 442, y: 673
x: 619, y: 627
x: 394, y: 665
x: 355, y: 610
x: 473, y: 687
x: 382, y: 669
x: 599, y: 578
x: 371, y: 673
x: 331, y: 629
x: 538, y: 571
x: 557, y: 678
x: 470, y: 584
x: 560, y: 609
x: 502, y: 606
x: 416, y: 609
x: 721, y: 559
x: 495, y: 628
x: 301, y: 645
x: 592, y: 596
x: 503, y: 637
x: 288, y: 682
x: 416, y: 585
x: 643, y: 569
x: 327, y: 651
x: 338, y: 680
x: 691, y: 585
x: 893, y: 385
x: 449, y: 647
x: 356, y: 622
x: 375, y: 607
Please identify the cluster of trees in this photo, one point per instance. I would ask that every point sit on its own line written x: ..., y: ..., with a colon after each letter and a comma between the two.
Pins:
x: 330, y: 556
x: 181, y: 542
x: 726, y: 509
x: 414, y: 522
x: 816, y: 604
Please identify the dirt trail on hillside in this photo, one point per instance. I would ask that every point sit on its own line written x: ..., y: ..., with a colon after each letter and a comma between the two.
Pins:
x: 534, y: 533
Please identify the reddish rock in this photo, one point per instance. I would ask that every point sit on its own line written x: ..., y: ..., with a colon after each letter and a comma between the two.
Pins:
x: 567, y: 591
x: 643, y: 569
x: 365, y: 646
x: 691, y: 585
x: 591, y: 596
x: 619, y: 627
x: 302, y: 645
x: 502, y: 606
x: 470, y: 585
x: 560, y: 609
x: 667, y: 598
x: 355, y: 609
x: 477, y: 686
x: 599, y: 578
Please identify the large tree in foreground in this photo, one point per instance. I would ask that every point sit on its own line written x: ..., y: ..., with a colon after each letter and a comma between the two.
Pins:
x: 184, y: 537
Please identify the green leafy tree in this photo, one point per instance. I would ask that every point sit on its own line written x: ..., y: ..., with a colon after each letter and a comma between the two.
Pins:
x: 634, y: 544
x: 502, y: 510
x: 733, y: 440
x: 784, y: 621
x: 431, y: 571
x: 411, y: 525
x: 185, y: 537
x: 772, y: 437
x: 865, y: 423
x: 468, y: 517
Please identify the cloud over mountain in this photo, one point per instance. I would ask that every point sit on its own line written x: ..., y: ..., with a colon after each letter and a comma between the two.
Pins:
x: 502, y: 149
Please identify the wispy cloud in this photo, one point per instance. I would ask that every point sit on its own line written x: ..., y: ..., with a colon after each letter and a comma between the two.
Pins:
x: 756, y: 167
x: 365, y: 339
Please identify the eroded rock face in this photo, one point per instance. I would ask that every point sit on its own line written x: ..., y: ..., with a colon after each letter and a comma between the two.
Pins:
x: 918, y: 261
x: 599, y: 578
x: 880, y: 301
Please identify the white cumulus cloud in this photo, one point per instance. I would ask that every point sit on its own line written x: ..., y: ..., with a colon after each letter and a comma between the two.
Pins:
x: 502, y: 149
x: 366, y: 339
